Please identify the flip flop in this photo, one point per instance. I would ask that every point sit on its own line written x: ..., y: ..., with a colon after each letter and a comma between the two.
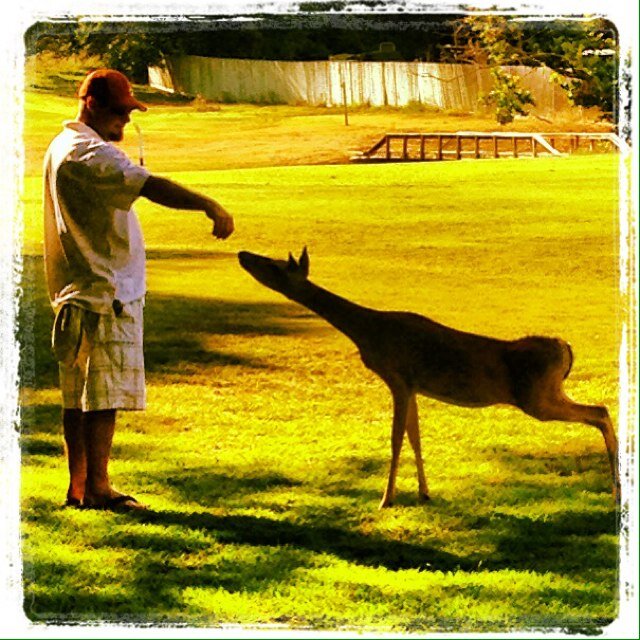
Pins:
x: 120, y: 503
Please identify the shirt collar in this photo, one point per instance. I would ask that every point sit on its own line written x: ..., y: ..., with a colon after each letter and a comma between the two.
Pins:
x: 81, y: 127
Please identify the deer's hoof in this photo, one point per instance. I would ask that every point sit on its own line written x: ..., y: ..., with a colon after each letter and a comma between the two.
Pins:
x: 385, y: 504
x: 424, y: 497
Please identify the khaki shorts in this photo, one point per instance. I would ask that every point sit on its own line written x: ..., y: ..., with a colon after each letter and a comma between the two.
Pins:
x: 100, y: 358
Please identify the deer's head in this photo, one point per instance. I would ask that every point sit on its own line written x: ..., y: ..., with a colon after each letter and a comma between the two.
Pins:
x: 280, y: 275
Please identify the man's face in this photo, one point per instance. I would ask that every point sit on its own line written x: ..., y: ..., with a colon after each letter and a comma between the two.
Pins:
x: 109, y: 122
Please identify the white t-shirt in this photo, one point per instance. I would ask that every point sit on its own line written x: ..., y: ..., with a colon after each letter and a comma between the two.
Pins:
x: 93, y: 245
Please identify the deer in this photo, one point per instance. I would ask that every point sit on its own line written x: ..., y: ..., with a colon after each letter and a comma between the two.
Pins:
x: 413, y: 354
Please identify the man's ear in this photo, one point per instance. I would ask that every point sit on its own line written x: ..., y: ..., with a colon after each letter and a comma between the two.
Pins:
x: 91, y: 103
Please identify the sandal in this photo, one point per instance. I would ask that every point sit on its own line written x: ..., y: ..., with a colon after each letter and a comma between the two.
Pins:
x: 119, y: 503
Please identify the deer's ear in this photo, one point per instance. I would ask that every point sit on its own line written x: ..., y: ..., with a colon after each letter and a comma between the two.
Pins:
x: 304, y: 262
x: 292, y: 265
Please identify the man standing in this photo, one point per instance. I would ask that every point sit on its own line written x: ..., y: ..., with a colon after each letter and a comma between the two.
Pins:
x: 95, y: 270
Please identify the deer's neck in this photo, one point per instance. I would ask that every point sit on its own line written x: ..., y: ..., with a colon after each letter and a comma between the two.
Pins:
x: 351, y: 319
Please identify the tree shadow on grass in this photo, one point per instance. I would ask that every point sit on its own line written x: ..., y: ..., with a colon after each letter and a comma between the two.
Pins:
x: 566, y: 543
x: 45, y: 418
x: 570, y: 541
x: 559, y: 464
x: 563, y: 544
x: 269, y: 550
x: 174, y: 330
x: 35, y: 445
x: 348, y: 545
x: 207, y: 488
x: 157, y: 577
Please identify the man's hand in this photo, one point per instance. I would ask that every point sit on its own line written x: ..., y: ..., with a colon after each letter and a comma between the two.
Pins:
x: 222, y: 220
x: 170, y: 194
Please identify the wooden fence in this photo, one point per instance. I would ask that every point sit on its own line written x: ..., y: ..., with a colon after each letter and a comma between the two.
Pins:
x: 331, y: 83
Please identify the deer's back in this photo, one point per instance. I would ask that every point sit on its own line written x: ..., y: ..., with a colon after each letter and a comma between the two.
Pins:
x: 458, y: 367
x: 438, y: 361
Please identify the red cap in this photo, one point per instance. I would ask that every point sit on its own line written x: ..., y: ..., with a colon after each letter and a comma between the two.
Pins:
x: 111, y: 87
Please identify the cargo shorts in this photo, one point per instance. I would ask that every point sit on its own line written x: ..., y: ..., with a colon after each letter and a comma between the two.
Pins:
x: 100, y: 357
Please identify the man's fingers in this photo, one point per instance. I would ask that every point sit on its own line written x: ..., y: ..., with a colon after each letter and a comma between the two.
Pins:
x: 222, y: 221
x: 223, y: 228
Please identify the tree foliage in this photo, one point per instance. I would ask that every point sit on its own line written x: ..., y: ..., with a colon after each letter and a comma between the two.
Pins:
x: 123, y: 46
x: 286, y: 37
x: 583, y: 55
x: 507, y: 96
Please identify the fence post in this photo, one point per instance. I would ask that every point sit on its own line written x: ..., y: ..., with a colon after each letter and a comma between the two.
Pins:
x: 343, y: 82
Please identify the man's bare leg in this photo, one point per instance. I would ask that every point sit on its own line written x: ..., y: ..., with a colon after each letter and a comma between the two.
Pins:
x: 74, y: 436
x: 99, y: 429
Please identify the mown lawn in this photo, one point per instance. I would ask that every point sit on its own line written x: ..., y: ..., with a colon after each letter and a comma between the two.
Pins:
x: 264, y: 449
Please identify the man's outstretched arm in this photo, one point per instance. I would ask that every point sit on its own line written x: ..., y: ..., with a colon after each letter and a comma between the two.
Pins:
x: 170, y: 194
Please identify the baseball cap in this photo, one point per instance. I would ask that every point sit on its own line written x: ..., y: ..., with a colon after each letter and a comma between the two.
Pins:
x: 111, y: 88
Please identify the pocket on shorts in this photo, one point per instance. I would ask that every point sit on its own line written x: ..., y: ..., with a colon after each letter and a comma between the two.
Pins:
x: 123, y: 328
x: 126, y: 329
x: 129, y: 323
x: 73, y: 328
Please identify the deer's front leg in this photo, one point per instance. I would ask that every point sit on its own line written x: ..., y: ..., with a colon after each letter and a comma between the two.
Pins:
x: 400, y: 404
x: 413, y: 431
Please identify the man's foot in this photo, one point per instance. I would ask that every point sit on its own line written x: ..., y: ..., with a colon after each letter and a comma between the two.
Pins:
x: 116, y: 503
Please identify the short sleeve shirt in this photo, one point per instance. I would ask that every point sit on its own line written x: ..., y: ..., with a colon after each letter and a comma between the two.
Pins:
x: 93, y: 244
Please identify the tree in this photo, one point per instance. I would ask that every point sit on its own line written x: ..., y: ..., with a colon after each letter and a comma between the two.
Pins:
x: 583, y: 55
x: 507, y: 96
x: 128, y: 47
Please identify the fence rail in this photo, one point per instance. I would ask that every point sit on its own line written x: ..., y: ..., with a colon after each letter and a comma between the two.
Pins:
x: 421, y: 147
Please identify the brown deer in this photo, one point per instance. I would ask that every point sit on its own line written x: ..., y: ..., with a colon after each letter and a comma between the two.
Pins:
x: 413, y: 354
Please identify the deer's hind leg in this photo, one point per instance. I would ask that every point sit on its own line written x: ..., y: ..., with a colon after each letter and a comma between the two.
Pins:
x: 549, y: 402
x: 413, y: 432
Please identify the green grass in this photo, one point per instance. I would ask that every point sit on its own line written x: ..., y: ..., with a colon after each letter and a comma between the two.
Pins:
x: 265, y: 445
x: 204, y: 136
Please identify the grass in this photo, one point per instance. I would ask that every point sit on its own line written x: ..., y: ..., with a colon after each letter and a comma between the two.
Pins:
x: 179, y: 137
x: 265, y: 445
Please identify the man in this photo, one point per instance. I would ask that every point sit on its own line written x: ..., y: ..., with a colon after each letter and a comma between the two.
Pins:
x: 95, y: 270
